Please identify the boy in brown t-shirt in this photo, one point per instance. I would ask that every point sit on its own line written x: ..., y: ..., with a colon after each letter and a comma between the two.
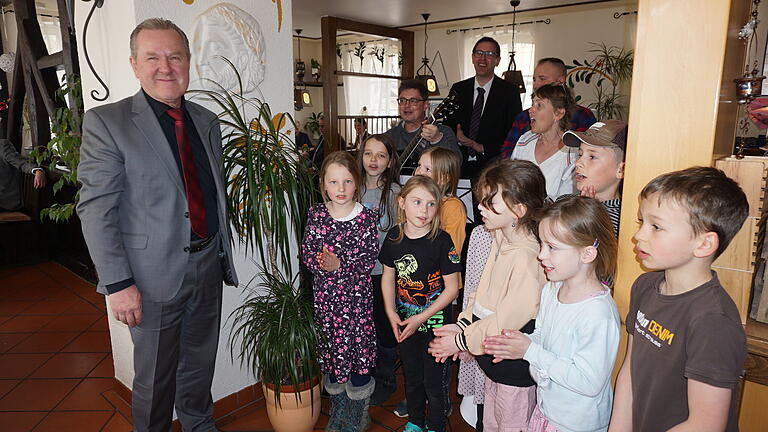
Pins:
x: 686, y: 346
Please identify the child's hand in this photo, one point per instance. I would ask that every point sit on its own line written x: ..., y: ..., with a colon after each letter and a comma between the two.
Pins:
x: 511, y: 345
x: 466, y: 356
x: 410, y: 326
x: 443, y: 347
x: 328, y: 260
x: 395, y: 322
x: 588, y: 191
x: 447, y: 330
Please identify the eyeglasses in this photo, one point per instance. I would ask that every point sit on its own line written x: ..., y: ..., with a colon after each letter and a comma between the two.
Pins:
x: 481, y: 53
x: 411, y: 101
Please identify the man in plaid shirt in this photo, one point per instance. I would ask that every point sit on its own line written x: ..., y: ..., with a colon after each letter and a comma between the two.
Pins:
x: 548, y: 70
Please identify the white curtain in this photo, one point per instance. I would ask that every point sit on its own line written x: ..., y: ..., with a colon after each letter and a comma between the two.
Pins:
x: 525, y: 53
x: 370, y: 96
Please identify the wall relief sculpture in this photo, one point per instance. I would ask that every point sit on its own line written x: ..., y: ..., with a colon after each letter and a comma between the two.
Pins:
x: 225, y: 30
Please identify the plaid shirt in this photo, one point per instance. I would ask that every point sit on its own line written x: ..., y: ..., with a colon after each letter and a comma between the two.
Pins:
x: 582, y: 119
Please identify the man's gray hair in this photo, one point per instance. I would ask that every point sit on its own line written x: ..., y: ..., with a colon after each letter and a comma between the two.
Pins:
x: 157, y: 24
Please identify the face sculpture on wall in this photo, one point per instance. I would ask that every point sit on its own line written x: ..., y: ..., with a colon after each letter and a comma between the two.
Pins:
x: 226, y: 31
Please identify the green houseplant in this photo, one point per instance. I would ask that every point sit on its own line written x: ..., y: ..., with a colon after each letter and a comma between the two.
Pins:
x: 268, y: 193
x: 64, y: 147
x: 313, y: 124
x: 609, y: 70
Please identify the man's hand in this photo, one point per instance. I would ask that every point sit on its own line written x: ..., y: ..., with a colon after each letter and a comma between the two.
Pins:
x: 39, y: 182
x: 431, y: 133
x: 126, y: 306
x: 467, y: 141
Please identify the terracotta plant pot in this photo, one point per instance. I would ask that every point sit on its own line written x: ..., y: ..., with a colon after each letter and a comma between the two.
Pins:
x: 292, y: 415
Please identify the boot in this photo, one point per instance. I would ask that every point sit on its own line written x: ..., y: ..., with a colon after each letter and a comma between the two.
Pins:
x: 339, y: 402
x: 359, y: 398
x: 386, y: 383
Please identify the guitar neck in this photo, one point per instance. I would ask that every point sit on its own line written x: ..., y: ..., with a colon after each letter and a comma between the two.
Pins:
x: 415, y: 142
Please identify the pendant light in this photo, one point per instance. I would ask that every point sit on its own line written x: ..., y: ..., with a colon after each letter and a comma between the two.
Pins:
x: 512, y: 75
x: 425, y: 73
x: 301, y: 96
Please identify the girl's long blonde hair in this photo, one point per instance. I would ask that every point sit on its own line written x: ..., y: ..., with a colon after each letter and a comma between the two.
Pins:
x: 580, y: 221
x: 446, y: 168
x: 430, y: 186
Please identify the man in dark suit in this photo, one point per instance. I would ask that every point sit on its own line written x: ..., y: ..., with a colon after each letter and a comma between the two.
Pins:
x: 11, y: 162
x: 154, y: 218
x: 487, y: 106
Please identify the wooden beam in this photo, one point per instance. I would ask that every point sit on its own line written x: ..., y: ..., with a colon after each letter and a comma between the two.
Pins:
x: 329, y: 28
x: 371, y: 29
x: 369, y: 75
x: 16, y: 104
x: 51, y: 60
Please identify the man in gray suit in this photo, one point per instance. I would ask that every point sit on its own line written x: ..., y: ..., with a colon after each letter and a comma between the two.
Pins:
x: 154, y: 218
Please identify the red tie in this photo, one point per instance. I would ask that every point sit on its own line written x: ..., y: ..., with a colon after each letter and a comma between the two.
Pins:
x: 194, y: 193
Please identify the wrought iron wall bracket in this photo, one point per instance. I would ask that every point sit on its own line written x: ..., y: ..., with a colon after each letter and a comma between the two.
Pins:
x: 94, y: 93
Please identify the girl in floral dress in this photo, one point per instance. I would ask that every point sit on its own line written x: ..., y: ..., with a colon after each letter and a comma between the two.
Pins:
x: 340, y: 246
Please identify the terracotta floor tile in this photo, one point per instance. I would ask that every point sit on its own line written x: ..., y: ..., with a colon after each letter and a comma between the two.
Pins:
x: 120, y: 404
x: 22, y: 278
x: 9, y: 340
x: 44, y: 343
x: 69, y: 365
x: 14, y: 307
x: 25, y: 323
x: 6, y: 386
x: 87, y: 396
x: 68, y: 323
x: 20, y: 365
x: 90, y: 342
x: 100, y: 325
x: 81, y: 421
x: 37, y: 395
x: 20, y: 421
x: 105, y: 369
x: 254, y: 418
x: 117, y: 423
x: 56, y: 307
x: 40, y: 289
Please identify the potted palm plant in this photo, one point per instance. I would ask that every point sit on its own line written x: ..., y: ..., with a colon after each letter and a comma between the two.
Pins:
x: 268, y: 193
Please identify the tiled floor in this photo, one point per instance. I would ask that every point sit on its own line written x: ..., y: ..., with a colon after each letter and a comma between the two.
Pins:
x: 56, y: 370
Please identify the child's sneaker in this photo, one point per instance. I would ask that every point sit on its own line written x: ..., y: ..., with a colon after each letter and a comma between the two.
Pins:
x: 401, y: 409
x: 410, y: 427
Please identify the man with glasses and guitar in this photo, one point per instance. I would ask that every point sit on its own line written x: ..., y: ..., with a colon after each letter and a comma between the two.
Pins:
x: 487, y: 107
x: 415, y: 133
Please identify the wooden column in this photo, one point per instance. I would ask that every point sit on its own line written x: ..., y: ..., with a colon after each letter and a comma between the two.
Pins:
x: 676, y: 99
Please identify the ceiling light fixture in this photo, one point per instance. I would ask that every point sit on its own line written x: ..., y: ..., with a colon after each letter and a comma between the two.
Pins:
x: 425, y: 73
x: 512, y: 75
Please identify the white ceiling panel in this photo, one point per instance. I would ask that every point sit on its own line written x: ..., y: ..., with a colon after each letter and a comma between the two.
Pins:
x: 399, y: 13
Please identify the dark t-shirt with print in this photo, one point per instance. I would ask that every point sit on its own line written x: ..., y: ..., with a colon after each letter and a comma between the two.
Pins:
x: 419, y: 268
x: 695, y: 335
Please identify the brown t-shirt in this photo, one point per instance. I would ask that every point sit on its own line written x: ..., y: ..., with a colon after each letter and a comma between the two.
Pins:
x: 695, y: 335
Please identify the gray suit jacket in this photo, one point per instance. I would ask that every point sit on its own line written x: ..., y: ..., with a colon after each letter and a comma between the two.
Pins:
x: 132, y: 202
x: 11, y: 162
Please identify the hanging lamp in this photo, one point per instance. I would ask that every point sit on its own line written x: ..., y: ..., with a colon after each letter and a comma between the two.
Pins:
x: 301, y: 96
x: 512, y: 75
x: 425, y: 73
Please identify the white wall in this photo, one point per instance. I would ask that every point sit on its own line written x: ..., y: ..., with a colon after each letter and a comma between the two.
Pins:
x: 108, y: 46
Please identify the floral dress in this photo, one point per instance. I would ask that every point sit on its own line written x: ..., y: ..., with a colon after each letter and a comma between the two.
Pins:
x: 343, y: 299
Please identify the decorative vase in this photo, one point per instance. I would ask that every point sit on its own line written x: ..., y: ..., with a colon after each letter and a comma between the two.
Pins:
x: 293, y: 415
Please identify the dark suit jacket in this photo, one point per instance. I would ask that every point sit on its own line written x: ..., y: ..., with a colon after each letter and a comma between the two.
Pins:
x: 501, y: 106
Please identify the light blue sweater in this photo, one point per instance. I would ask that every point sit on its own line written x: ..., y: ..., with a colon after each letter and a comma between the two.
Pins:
x: 571, y: 354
